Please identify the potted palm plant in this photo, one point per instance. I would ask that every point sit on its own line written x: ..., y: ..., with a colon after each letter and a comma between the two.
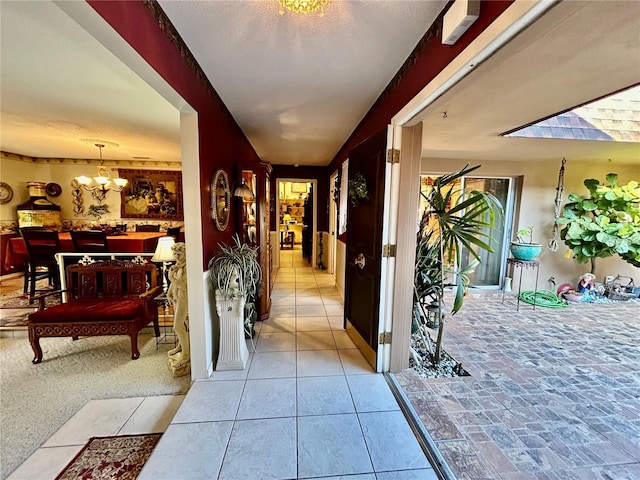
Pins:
x: 235, y: 273
x: 453, y: 220
x: 523, y: 249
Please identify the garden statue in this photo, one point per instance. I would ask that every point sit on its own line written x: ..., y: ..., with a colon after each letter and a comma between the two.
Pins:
x: 179, y: 360
x: 585, y: 285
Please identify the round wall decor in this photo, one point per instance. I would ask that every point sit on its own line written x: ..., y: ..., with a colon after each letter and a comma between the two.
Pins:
x: 6, y: 193
x: 53, y: 189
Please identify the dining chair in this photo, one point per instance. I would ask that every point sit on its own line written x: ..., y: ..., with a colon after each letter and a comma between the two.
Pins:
x: 27, y: 272
x: 173, y: 232
x: 90, y: 241
x: 147, y: 228
x: 42, y: 245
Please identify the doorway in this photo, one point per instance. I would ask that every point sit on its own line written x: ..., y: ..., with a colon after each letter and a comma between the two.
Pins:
x: 333, y: 226
x: 296, y: 217
x: 491, y: 271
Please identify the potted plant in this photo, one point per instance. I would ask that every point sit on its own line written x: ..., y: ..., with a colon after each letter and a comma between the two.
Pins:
x: 453, y: 220
x: 604, y: 223
x: 235, y: 274
x: 523, y: 249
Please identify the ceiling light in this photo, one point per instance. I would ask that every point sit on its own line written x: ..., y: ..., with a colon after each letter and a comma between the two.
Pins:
x: 303, y: 6
x: 100, y: 185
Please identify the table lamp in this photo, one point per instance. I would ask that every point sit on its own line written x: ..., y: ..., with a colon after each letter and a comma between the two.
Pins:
x: 286, y: 219
x: 164, y: 254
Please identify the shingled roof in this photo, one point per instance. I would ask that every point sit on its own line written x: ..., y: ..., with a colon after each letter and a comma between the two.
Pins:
x: 615, y: 118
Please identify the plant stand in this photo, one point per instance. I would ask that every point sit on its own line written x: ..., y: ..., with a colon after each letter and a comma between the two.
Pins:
x: 233, y: 347
x: 523, y: 264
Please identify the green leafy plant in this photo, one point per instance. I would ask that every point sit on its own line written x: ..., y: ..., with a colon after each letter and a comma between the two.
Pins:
x: 235, y: 271
x: 453, y: 220
x: 358, y: 189
x: 522, y: 233
x: 604, y: 223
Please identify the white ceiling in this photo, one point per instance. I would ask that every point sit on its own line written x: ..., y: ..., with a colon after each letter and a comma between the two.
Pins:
x: 299, y: 85
x: 577, y: 52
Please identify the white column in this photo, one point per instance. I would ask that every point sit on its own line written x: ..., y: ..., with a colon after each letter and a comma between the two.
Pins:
x: 233, y: 353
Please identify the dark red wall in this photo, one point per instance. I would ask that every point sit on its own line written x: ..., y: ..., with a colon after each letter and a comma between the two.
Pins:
x: 222, y: 143
x: 303, y: 173
x: 432, y: 59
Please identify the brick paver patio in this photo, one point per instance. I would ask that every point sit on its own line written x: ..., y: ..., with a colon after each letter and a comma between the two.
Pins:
x: 553, y: 393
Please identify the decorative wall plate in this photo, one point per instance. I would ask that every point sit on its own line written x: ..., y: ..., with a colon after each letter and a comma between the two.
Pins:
x: 53, y: 189
x: 6, y: 193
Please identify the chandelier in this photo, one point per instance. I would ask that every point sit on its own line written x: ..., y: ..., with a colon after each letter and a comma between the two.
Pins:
x: 100, y: 185
x: 303, y: 6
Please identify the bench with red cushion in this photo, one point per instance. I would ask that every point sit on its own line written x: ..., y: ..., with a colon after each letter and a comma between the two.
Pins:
x: 110, y: 297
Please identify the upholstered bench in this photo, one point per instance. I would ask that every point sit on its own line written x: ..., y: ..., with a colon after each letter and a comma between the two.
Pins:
x: 111, y: 297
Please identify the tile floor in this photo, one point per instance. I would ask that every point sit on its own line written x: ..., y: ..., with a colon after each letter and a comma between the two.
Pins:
x: 307, y: 406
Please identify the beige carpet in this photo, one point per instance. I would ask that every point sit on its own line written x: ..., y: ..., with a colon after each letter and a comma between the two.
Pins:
x: 36, y: 400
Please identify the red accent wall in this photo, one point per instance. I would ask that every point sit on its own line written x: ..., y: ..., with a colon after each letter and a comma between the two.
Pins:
x: 222, y: 143
x: 434, y: 57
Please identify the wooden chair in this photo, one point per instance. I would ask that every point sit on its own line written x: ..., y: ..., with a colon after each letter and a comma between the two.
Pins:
x: 42, y: 245
x: 147, y: 228
x: 27, y: 272
x: 173, y: 232
x: 90, y: 241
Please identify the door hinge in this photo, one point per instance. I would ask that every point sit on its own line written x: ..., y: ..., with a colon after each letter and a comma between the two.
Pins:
x: 388, y: 250
x: 385, y: 338
x: 393, y: 155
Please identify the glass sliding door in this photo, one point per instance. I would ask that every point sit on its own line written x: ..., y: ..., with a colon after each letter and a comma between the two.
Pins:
x: 491, y: 271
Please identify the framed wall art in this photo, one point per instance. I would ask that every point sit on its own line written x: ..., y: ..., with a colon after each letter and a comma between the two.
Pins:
x: 154, y: 194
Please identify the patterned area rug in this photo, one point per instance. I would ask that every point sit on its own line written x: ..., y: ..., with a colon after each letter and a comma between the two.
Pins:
x: 14, y: 304
x: 111, y: 458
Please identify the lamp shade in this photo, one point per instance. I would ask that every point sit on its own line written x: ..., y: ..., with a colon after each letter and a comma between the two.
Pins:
x: 286, y: 218
x: 244, y: 191
x: 163, y: 251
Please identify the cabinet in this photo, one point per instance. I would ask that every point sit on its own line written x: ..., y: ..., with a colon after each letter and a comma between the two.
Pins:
x: 254, y: 222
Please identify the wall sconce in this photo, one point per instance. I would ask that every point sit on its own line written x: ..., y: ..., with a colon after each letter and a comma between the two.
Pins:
x: 103, y: 182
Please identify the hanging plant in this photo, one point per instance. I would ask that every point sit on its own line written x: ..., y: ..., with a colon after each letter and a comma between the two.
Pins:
x: 358, y: 189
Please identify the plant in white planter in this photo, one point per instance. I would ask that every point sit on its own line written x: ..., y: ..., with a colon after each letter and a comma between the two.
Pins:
x: 235, y: 273
x: 523, y: 249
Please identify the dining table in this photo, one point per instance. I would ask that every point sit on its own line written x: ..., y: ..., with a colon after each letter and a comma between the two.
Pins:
x: 129, y: 242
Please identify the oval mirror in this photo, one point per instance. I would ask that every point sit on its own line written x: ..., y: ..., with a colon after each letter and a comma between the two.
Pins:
x: 220, y: 199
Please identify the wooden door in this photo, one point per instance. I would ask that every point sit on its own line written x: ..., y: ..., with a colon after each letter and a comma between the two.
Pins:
x: 364, y: 245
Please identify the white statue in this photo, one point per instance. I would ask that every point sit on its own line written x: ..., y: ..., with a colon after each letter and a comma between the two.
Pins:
x: 179, y: 360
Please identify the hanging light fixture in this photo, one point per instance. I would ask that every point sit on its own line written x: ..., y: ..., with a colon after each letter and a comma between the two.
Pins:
x: 303, y: 6
x: 100, y: 185
x: 244, y: 191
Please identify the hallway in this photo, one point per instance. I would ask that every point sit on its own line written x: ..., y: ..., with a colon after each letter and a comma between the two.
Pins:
x: 307, y: 406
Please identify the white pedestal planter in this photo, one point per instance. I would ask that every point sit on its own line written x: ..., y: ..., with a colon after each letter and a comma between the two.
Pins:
x: 233, y: 353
